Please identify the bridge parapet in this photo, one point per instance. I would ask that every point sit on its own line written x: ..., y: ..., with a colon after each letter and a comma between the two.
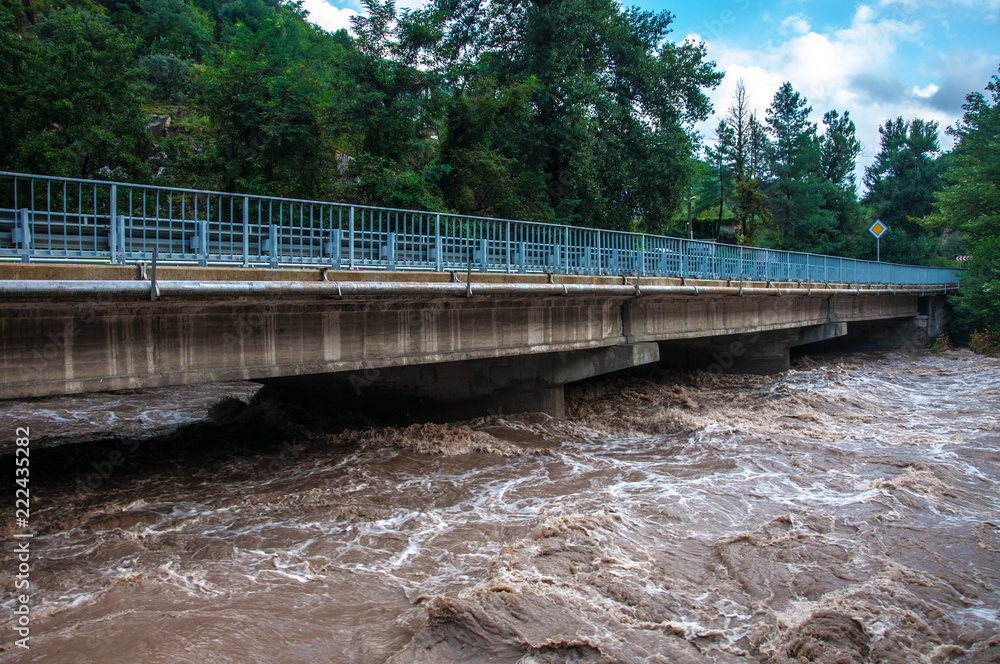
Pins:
x: 61, y: 219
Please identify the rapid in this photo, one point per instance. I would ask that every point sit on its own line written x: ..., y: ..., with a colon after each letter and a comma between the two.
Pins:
x: 846, y: 511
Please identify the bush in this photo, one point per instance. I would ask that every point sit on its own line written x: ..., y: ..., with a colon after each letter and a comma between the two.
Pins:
x: 168, y: 75
x: 984, y: 343
x: 940, y: 344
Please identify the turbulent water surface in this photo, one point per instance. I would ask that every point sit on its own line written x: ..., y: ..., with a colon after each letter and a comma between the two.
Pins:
x: 846, y: 511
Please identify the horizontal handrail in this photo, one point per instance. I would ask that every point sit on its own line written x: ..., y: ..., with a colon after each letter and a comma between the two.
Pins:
x: 46, y: 218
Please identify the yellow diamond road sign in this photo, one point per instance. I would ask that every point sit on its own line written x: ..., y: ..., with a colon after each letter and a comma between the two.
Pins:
x: 877, y: 229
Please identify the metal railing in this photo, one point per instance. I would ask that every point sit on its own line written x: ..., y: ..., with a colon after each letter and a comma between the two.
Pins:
x: 61, y: 219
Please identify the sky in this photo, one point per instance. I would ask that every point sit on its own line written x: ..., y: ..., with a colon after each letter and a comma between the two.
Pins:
x: 879, y: 60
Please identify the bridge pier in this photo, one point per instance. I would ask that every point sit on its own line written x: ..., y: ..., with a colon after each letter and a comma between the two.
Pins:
x: 471, y: 388
x: 758, y: 353
x: 912, y: 332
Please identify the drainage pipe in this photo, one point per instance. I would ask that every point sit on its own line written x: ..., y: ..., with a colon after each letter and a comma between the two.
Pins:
x: 25, y: 289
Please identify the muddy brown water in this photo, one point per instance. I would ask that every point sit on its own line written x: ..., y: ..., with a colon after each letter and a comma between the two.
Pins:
x: 845, y: 511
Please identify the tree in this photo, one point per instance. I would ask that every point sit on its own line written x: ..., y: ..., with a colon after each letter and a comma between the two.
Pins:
x: 809, y: 178
x: 174, y: 26
x: 721, y: 160
x: 392, y: 116
x: 751, y: 212
x: 742, y: 146
x: 80, y: 113
x: 970, y: 204
x: 13, y: 53
x: 483, y: 177
x: 839, y: 149
x: 265, y: 110
x: 794, y: 160
x: 740, y: 121
x: 612, y: 105
x: 901, y: 185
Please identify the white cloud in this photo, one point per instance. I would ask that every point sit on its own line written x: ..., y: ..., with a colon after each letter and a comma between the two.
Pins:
x: 332, y: 18
x: 328, y: 17
x: 911, y: 6
x: 852, y: 69
x: 798, y: 24
x: 415, y: 4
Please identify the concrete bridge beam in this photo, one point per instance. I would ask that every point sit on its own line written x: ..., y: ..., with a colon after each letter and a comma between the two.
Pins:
x: 471, y: 388
x: 760, y: 353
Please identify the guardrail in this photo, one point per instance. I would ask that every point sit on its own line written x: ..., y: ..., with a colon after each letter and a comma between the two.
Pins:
x: 62, y: 219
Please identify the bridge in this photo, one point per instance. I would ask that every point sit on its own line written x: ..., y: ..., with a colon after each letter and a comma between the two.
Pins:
x: 108, y: 286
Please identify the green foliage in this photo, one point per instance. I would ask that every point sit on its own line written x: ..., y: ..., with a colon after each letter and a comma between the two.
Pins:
x: 611, y: 104
x: 793, y: 159
x: 392, y: 186
x: 901, y: 185
x: 977, y: 305
x: 168, y: 75
x: 79, y: 113
x: 985, y: 343
x: 839, y: 149
x: 940, y: 344
x: 970, y: 200
x: 969, y: 205
x: 783, y: 184
x: 482, y: 178
x: 13, y: 53
x: 264, y: 110
x: 751, y: 212
x: 176, y: 27
x: 390, y: 118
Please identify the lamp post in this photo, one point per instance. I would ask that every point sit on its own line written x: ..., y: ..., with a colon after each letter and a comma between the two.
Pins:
x: 690, y: 228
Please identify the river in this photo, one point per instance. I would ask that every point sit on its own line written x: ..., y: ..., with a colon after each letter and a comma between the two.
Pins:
x: 845, y: 511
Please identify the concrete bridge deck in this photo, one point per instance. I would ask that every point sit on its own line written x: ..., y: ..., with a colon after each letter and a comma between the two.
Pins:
x: 461, y: 342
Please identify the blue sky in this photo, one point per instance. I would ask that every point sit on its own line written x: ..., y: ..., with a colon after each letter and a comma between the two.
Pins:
x: 878, y: 59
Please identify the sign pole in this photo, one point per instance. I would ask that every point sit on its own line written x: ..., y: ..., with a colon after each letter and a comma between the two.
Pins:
x: 877, y: 229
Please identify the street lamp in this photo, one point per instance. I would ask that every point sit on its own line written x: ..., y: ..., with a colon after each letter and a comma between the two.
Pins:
x: 690, y: 229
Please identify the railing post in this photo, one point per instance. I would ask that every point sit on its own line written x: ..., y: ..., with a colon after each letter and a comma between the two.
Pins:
x: 508, y: 266
x: 203, y: 243
x: 335, y: 249
x: 598, y: 248
x: 25, y: 238
x: 565, y: 256
x: 246, y: 231
x: 272, y: 242
x: 438, y: 245
x: 112, y: 222
x: 524, y: 257
x: 120, y: 259
x: 641, y: 267
x: 350, y: 240
x: 390, y: 250
x: 483, y: 259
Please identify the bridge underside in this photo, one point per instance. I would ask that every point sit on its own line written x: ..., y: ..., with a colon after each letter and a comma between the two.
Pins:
x: 497, y: 343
